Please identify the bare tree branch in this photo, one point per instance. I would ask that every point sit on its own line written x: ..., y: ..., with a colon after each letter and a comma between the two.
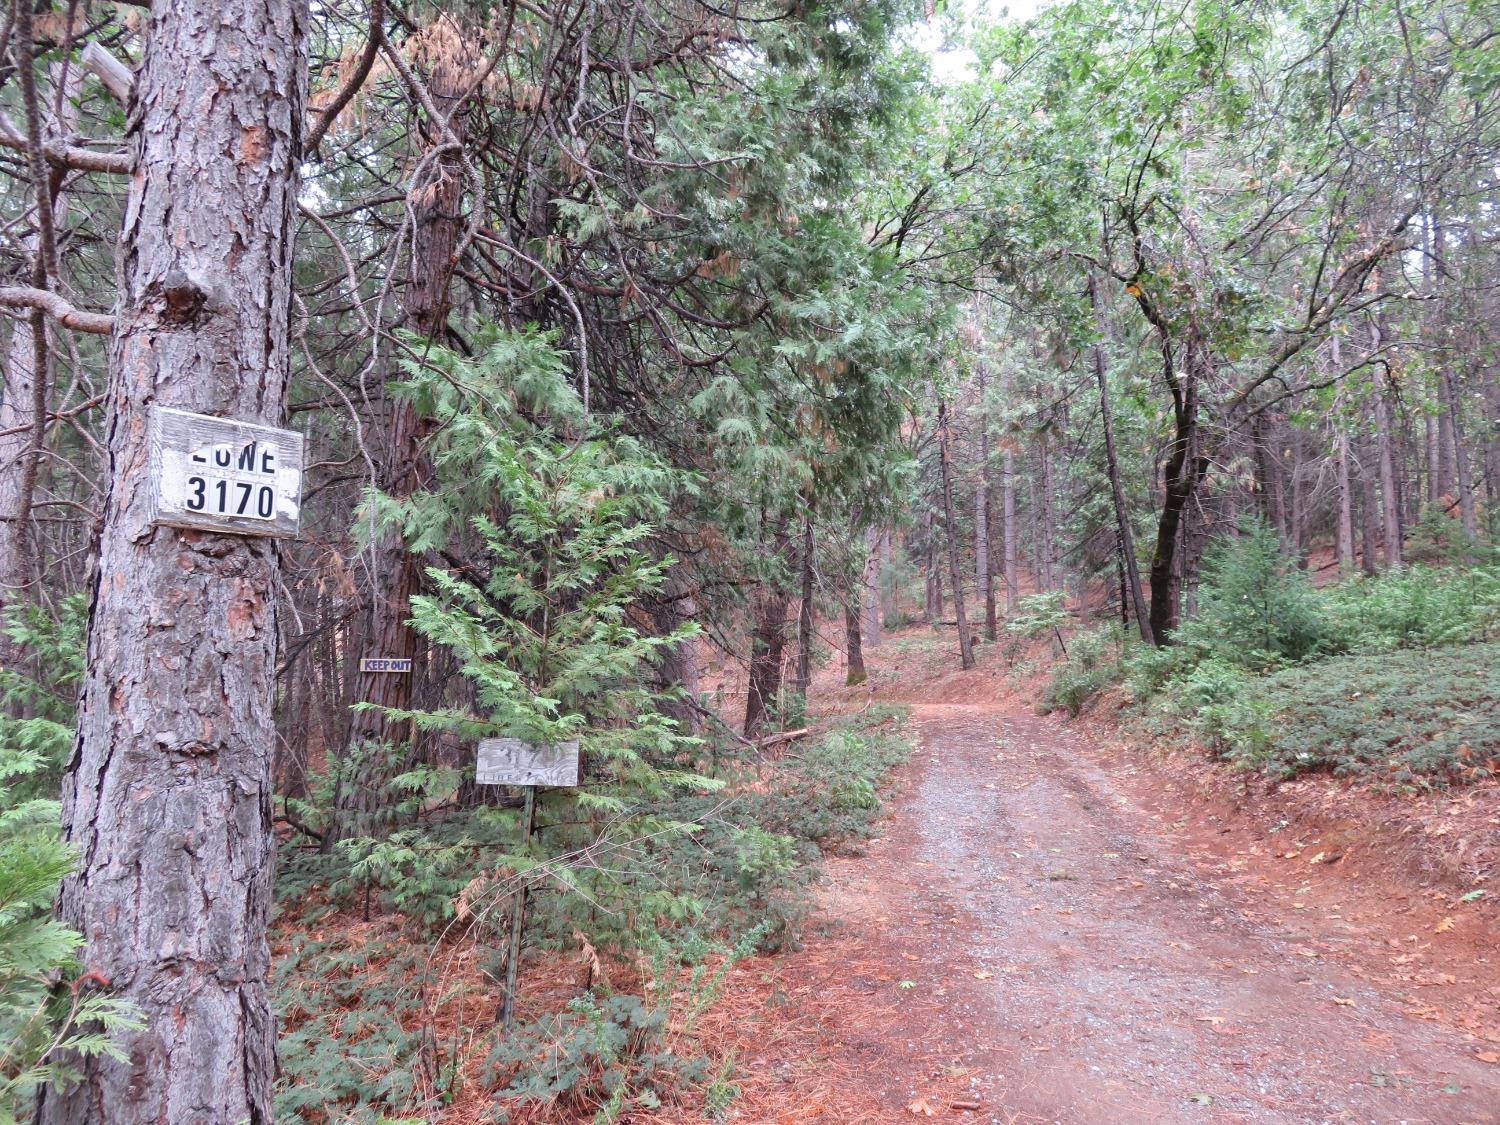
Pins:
x: 25, y: 297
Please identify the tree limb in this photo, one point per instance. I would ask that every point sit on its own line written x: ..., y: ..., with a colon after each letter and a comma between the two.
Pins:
x: 25, y: 297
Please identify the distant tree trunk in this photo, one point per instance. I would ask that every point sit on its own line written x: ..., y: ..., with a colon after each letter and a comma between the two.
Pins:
x: 965, y: 642
x: 870, y: 590
x: 167, y: 798
x: 767, y: 648
x: 805, y: 612
x: 1369, y: 508
x: 984, y: 576
x: 889, y: 588
x: 23, y: 406
x: 1468, y: 511
x: 931, y: 606
x: 398, y: 432
x: 1345, y: 505
x: 1297, y: 519
x: 854, y: 650
x: 1051, y: 557
x: 676, y: 672
x: 1124, y: 533
x: 1390, y: 500
x: 1008, y: 530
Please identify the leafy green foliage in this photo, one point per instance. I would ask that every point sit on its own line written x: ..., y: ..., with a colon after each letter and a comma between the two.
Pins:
x: 1408, y: 718
x: 1256, y: 608
x: 42, y: 1019
x: 1278, y: 676
x: 1094, y: 662
x: 351, y: 1048
x: 1413, y: 607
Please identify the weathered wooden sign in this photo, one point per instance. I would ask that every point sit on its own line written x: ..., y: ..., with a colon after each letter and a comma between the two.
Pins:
x: 512, y: 761
x: 217, y: 474
x: 385, y: 664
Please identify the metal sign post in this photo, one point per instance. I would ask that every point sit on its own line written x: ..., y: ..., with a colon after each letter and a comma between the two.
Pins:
x: 513, y: 761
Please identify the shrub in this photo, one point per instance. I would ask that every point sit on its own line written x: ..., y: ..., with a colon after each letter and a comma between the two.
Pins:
x: 1094, y: 662
x: 1413, y: 607
x: 1256, y: 608
x: 1408, y: 718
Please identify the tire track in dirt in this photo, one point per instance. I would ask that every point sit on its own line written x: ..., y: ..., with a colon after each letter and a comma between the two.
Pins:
x: 1046, y: 946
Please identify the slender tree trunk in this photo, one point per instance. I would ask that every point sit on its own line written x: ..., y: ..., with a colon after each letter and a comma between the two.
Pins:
x: 869, y: 590
x: 1125, y: 534
x: 805, y: 612
x: 1390, y: 503
x: 1048, y: 517
x: 853, y: 648
x: 1345, y: 516
x: 965, y: 642
x: 1369, y: 510
x: 22, y: 432
x: 889, y: 588
x: 1468, y: 511
x: 1008, y: 530
x: 167, y: 798
x: 984, y: 575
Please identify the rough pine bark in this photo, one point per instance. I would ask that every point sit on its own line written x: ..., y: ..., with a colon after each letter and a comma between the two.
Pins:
x: 767, y: 646
x: 167, y: 797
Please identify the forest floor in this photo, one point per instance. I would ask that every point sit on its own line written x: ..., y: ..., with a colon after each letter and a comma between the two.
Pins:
x: 1057, y: 927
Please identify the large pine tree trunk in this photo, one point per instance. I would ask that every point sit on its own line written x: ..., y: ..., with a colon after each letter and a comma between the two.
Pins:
x: 168, y: 794
x: 965, y: 641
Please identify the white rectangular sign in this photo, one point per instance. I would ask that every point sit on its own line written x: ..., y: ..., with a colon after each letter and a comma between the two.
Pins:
x: 511, y: 761
x: 217, y: 474
x: 385, y: 664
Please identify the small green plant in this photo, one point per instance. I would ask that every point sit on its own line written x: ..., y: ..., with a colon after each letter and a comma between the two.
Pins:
x: 1041, y: 614
x: 1094, y: 662
x: 48, y: 1013
x: 1256, y: 607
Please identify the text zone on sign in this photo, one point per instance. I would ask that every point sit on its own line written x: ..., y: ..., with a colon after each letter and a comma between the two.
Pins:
x: 225, y: 475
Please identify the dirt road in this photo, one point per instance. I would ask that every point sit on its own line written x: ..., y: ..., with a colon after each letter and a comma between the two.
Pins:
x: 1035, y: 944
